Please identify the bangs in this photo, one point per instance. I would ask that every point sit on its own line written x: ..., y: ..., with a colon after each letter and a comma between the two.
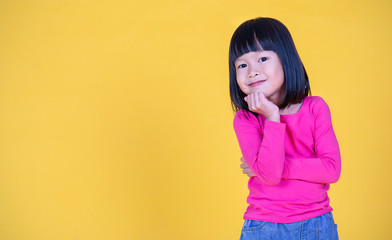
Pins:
x: 249, y: 38
x: 243, y: 44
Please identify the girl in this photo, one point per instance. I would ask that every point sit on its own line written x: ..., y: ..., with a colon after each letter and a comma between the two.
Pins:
x: 286, y: 137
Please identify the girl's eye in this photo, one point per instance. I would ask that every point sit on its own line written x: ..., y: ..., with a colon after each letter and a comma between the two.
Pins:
x: 263, y: 59
x: 242, y: 65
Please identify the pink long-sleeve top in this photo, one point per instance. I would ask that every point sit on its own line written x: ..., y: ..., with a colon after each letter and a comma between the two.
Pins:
x: 294, y: 161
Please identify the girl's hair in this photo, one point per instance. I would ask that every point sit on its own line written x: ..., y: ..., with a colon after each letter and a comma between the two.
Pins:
x: 270, y: 35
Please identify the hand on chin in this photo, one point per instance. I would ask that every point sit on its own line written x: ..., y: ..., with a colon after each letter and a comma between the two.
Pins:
x: 258, y: 103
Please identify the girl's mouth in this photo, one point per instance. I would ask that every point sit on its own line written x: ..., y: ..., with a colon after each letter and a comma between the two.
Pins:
x: 254, y: 84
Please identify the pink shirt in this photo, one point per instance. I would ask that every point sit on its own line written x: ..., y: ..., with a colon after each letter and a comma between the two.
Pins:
x: 294, y: 160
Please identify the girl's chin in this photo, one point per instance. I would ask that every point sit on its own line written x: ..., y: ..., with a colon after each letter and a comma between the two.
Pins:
x: 256, y: 91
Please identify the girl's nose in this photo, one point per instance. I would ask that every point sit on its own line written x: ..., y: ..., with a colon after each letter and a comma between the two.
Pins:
x: 253, y: 72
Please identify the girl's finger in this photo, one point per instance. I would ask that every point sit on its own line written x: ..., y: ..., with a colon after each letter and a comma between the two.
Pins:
x: 249, y: 101
x: 257, y: 100
x: 247, y: 170
x: 242, y: 159
x: 252, y: 101
x: 263, y: 99
x: 243, y: 165
x: 251, y: 174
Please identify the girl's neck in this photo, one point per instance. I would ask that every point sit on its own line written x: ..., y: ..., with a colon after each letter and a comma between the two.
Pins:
x: 294, y: 108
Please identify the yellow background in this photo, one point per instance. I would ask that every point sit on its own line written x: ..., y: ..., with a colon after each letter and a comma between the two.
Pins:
x: 115, y: 117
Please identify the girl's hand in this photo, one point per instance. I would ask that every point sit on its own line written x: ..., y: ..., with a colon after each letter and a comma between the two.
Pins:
x: 258, y: 103
x: 246, y: 169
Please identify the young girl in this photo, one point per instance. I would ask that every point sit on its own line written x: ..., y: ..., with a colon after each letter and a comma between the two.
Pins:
x: 286, y: 137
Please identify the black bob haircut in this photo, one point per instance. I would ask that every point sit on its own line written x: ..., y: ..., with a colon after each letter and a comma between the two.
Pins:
x: 270, y: 35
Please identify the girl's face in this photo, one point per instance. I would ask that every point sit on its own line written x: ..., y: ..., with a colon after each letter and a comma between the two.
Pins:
x: 261, y: 71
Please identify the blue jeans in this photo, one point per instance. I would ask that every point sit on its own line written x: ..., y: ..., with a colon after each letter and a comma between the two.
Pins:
x: 318, y: 228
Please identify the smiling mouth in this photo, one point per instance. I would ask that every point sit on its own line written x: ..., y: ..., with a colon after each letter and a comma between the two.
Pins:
x: 254, y: 84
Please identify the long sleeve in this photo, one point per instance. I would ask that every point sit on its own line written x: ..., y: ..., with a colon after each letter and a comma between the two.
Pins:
x: 294, y: 162
x: 262, y: 146
x: 325, y: 166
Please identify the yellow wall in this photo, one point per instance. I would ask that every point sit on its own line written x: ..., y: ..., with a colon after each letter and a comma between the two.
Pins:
x: 115, y: 118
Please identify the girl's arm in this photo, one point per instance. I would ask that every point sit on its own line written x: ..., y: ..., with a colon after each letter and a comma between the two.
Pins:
x: 325, y: 167
x: 262, y: 149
